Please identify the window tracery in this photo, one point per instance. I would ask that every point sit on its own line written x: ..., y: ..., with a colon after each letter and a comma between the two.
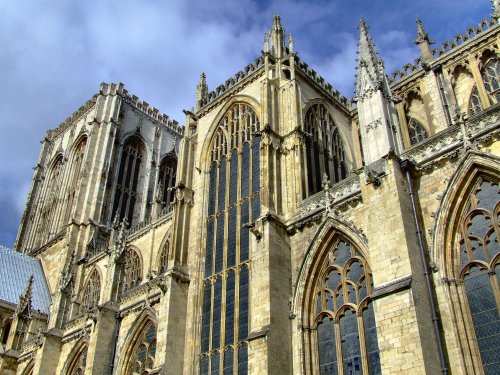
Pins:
x: 417, y: 131
x: 324, y: 149
x: 478, y: 235
x: 76, y: 174
x: 166, y: 177
x: 164, y: 257
x: 345, y: 335
x: 91, y: 292
x: 48, y: 221
x: 491, y: 78
x: 142, y: 355
x: 132, y: 270
x: 128, y: 179
x: 79, y: 363
x: 475, y: 105
x: 233, y: 202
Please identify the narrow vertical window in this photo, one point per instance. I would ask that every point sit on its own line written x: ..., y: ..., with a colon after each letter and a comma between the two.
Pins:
x: 491, y: 79
x: 475, y: 105
x: 166, y: 177
x: 417, y: 131
x: 164, y: 257
x: 233, y: 202
x: 91, y: 292
x: 128, y: 179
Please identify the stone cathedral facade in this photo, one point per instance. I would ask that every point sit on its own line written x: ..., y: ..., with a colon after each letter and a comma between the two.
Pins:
x: 284, y: 229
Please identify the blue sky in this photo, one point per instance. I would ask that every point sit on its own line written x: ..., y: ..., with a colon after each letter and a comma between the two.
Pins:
x: 55, y: 53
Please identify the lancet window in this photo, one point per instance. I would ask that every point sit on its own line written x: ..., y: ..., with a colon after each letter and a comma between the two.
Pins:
x: 164, y: 257
x: 79, y: 363
x: 91, y: 292
x: 342, y: 315
x: 324, y: 149
x: 233, y: 203
x: 48, y: 226
x: 475, y: 105
x: 76, y: 174
x: 166, y: 177
x: 142, y: 354
x: 479, y: 231
x: 417, y: 131
x: 491, y: 78
x: 132, y: 270
x: 128, y: 179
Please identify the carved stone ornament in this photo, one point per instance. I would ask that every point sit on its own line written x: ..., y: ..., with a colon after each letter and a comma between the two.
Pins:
x: 373, y: 125
x: 65, y: 282
x: 121, y: 239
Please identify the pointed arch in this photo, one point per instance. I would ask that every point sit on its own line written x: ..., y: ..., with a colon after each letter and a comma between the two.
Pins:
x: 416, y: 131
x: 475, y: 105
x: 77, y: 162
x: 91, y: 292
x: 75, y: 364
x: 140, y: 345
x: 164, y: 252
x: 132, y: 268
x: 167, y: 177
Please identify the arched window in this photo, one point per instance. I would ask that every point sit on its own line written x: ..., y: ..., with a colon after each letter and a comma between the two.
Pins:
x: 491, y: 77
x: 324, y: 149
x: 475, y: 105
x: 164, y: 257
x: 342, y: 311
x: 479, y: 231
x: 142, y: 354
x: 132, y: 270
x: 233, y: 203
x: 166, y: 177
x: 76, y: 174
x: 48, y: 225
x: 417, y: 131
x: 91, y: 292
x: 128, y: 179
x: 77, y: 366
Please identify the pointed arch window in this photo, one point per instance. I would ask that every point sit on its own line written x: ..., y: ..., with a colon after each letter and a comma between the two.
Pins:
x: 324, y: 149
x: 132, y: 270
x: 479, y: 231
x: 77, y: 163
x: 233, y: 202
x: 142, y: 354
x: 417, y: 131
x: 48, y: 219
x: 79, y: 363
x: 475, y: 105
x: 128, y: 179
x: 166, y: 177
x: 164, y: 257
x: 491, y: 78
x: 91, y: 292
x: 342, y: 315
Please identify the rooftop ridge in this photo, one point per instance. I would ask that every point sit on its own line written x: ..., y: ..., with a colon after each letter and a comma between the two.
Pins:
x: 447, y: 46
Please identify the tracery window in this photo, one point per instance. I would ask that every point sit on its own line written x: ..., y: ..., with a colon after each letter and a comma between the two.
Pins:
x: 324, y: 149
x: 142, y: 355
x: 91, y: 292
x: 343, y: 315
x: 491, y: 77
x: 233, y: 202
x: 475, y: 105
x: 128, y: 179
x: 76, y: 174
x: 79, y: 363
x: 48, y: 221
x: 166, y: 177
x: 479, y: 231
x: 132, y: 270
x: 164, y: 257
x: 417, y: 131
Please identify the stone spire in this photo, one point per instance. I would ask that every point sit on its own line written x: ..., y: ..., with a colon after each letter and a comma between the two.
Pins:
x: 495, y: 7
x: 201, y: 91
x: 423, y: 42
x: 370, y: 66
x: 277, y: 38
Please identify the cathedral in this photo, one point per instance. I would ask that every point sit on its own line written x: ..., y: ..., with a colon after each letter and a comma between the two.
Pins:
x: 282, y: 229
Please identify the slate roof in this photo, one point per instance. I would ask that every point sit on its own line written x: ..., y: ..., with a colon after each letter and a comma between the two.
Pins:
x: 15, y: 271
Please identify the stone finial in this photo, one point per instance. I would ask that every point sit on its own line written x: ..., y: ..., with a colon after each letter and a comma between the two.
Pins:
x: 25, y: 299
x: 201, y: 91
x: 290, y: 43
x: 423, y: 41
x: 266, y: 42
x: 277, y: 38
x: 370, y: 66
x: 495, y: 7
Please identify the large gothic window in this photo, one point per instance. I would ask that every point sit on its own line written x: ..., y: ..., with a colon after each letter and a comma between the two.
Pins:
x: 345, y: 337
x: 76, y: 174
x: 142, y: 356
x: 233, y: 203
x: 324, y: 149
x: 128, y: 179
x: 491, y: 78
x: 475, y: 105
x: 91, y: 292
x: 417, y: 131
x: 166, y: 177
x: 48, y: 225
x: 132, y: 270
x: 479, y: 231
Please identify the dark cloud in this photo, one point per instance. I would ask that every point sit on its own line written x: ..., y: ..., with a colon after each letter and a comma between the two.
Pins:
x: 56, y: 52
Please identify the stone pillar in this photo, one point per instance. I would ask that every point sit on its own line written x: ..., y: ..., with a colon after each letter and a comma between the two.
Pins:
x: 47, y: 356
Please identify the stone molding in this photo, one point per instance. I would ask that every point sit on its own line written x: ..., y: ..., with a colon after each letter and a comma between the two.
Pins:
x: 393, y: 286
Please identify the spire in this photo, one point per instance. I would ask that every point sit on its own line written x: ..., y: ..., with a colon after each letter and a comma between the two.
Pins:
x: 201, y: 91
x: 495, y: 7
x: 277, y: 38
x: 423, y: 41
x: 371, y: 73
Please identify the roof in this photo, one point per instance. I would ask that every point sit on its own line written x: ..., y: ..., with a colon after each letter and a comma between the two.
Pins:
x: 15, y: 272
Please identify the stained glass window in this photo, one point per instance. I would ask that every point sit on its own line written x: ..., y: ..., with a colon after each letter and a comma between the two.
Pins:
x: 479, y: 249
x: 324, y: 149
x: 475, y: 105
x: 343, y: 309
x: 233, y: 201
x: 143, y: 352
x: 128, y: 178
x: 417, y: 131
x: 166, y: 177
x: 491, y: 78
x: 91, y: 292
x: 132, y: 270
